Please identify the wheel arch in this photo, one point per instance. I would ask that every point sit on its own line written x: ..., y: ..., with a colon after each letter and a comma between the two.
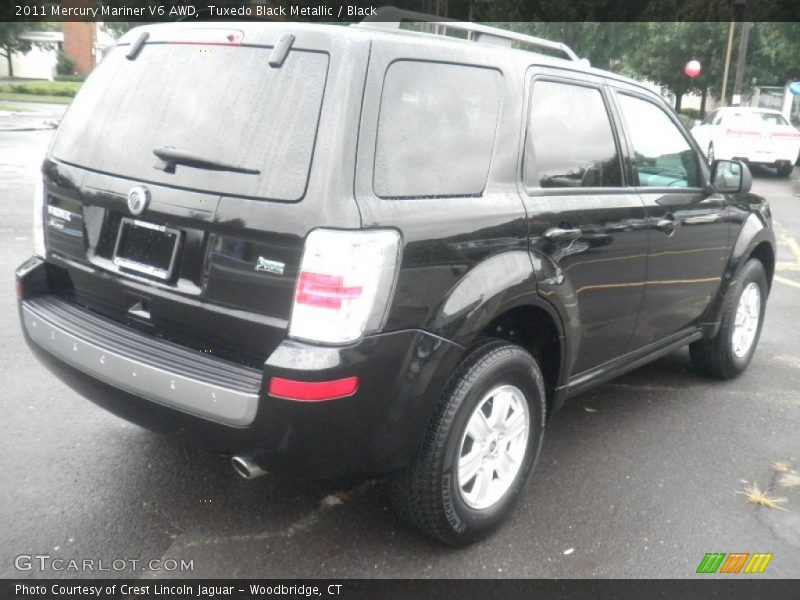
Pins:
x: 535, y: 326
x: 765, y: 252
x: 498, y: 299
x: 755, y: 240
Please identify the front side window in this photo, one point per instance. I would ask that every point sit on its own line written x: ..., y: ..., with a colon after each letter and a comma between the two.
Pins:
x: 661, y: 155
x: 436, y: 130
x: 570, y: 142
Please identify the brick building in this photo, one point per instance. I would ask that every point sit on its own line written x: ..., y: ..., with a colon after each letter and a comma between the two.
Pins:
x: 80, y: 45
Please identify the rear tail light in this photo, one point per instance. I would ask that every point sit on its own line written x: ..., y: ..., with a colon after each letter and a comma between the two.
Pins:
x: 324, y: 291
x: 38, y: 218
x: 345, y: 283
x: 742, y: 133
x: 792, y: 135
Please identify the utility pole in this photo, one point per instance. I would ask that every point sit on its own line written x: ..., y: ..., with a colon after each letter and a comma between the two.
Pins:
x: 727, y: 64
x: 741, y: 60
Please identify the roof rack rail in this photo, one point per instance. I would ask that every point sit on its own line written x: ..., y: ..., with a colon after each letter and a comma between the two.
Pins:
x: 392, y: 17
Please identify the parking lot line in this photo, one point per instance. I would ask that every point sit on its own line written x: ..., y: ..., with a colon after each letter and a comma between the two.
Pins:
x: 787, y: 281
x: 791, y: 243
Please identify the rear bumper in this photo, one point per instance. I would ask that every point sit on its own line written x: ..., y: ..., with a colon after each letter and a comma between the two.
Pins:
x: 223, y: 406
x: 746, y: 152
x: 766, y: 161
x: 156, y: 370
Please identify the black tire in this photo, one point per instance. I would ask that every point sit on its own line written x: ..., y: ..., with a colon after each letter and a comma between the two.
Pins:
x: 716, y: 356
x: 426, y: 494
x: 710, y: 154
x: 785, y: 170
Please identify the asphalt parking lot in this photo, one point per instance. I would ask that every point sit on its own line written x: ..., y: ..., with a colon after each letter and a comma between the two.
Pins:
x: 638, y: 478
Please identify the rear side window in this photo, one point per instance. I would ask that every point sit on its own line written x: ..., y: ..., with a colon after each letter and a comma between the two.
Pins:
x: 436, y: 130
x: 570, y: 140
x: 223, y: 103
x: 661, y: 155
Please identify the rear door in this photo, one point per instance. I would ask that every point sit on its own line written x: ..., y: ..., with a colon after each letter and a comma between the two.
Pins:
x: 587, y: 229
x: 686, y: 221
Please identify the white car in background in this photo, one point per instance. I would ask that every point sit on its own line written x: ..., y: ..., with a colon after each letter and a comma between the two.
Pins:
x: 753, y: 135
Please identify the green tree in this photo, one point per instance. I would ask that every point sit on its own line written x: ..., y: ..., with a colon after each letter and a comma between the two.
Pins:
x: 119, y: 28
x: 604, y: 44
x: 774, y: 53
x: 666, y: 49
x: 10, y: 41
x: 654, y: 51
x: 64, y: 64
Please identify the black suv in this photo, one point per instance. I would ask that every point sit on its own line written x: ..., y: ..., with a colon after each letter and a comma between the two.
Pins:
x: 328, y: 250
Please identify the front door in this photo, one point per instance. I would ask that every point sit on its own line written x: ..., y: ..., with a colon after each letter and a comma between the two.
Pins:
x: 687, y: 224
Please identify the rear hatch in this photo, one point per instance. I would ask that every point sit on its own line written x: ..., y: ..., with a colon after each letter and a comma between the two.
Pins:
x: 768, y: 135
x: 217, y: 130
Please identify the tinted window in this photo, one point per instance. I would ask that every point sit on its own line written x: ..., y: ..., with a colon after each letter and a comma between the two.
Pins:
x: 662, y: 156
x: 219, y: 102
x: 570, y: 141
x: 436, y: 130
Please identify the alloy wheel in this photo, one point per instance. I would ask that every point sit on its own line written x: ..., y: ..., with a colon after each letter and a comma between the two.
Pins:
x: 493, y: 447
x: 748, y: 314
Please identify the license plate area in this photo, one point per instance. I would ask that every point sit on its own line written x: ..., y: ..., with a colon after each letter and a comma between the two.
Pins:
x: 146, y: 248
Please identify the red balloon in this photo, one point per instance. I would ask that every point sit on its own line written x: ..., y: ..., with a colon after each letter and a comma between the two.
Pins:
x: 692, y: 68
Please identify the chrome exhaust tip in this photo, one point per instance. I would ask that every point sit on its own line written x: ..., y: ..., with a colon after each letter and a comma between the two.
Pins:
x: 246, y: 467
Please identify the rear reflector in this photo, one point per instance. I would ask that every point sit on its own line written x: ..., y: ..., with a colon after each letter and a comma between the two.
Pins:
x: 19, y: 289
x: 213, y: 37
x: 312, y: 391
x: 789, y: 134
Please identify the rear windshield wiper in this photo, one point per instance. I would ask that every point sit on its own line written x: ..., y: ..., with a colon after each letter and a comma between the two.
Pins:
x: 169, y: 157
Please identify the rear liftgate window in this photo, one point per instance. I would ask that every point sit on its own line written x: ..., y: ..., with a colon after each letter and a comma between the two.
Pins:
x: 436, y: 130
x: 225, y: 104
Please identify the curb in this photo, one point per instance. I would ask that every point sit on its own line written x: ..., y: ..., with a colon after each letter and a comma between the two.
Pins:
x: 16, y: 129
x: 31, y: 125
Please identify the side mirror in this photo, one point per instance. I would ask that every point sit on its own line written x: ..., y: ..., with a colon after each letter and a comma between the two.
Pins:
x: 697, y: 122
x: 731, y: 177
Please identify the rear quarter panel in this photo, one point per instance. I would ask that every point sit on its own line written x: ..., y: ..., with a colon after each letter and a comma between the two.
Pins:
x: 461, y: 255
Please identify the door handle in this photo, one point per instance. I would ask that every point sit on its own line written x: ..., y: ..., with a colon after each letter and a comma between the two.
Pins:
x: 667, y: 224
x: 559, y: 234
